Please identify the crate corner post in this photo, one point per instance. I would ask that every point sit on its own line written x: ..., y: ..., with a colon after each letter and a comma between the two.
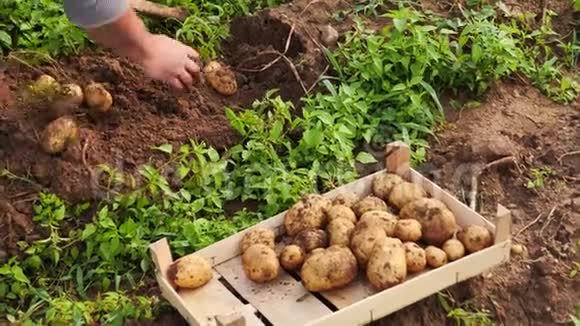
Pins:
x: 397, y: 158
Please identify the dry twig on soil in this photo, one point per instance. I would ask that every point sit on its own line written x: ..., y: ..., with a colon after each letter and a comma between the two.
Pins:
x: 156, y: 9
x: 528, y: 225
x: 561, y: 157
x: 479, y: 171
x: 549, y: 219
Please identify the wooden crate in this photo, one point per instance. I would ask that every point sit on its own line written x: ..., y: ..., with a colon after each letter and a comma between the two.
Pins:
x: 230, y: 298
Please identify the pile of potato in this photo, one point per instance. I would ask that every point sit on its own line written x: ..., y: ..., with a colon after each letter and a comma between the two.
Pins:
x: 396, y: 231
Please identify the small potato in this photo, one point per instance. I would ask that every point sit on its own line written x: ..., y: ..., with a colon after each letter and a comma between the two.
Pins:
x: 384, y: 183
x: 258, y: 235
x: 404, y: 193
x: 437, y: 221
x: 341, y: 211
x: 387, y: 264
x: 260, y: 263
x: 59, y: 134
x: 416, y: 257
x: 347, y: 199
x: 66, y: 100
x: 191, y: 271
x: 98, y: 98
x: 308, y: 213
x: 363, y: 240
x: 454, y: 249
x: 369, y: 203
x: 340, y: 231
x: 329, y: 269
x: 292, y: 257
x: 311, y: 239
x: 408, y: 230
x: 220, y: 78
x: 435, y: 256
x: 382, y: 219
x: 44, y: 85
x: 475, y: 238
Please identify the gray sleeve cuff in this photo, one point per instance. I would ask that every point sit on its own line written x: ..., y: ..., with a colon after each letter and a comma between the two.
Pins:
x: 94, y: 13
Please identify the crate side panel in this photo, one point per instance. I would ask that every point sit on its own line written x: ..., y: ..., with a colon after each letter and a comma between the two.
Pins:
x: 356, y: 291
x: 283, y: 301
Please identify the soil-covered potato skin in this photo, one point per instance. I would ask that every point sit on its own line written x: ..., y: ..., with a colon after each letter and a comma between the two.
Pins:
x: 311, y: 239
x: 260, y: 263
x: 339, y: 232
x: 382, y: 219
x: 341, y: 211
x: 258, y: 235
x: 408, y: 230
x: 415, y: 257
x: 438, y: 223
x: 59, y: 134
x: 347, y: 199
x: 369, y: 203
x: 436, y: 257
x: 191, y: 271
x: 404, y: 193
x: 292, y: 257
x: 475, y: 238
x: 363, y: 239
x: 454, y: 249
x: 384, y: 183
x: 387, y: 264
x: 329, y: 269
x: 308, y: 213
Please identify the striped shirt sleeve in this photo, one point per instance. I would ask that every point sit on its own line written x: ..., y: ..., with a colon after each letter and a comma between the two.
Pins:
x: 94, y: 13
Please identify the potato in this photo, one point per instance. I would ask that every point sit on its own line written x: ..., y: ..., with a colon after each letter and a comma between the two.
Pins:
x: 67, y: 98
x: 347, y: 199
x: 98, y: 98
x: 341, y: 211
x: 454, y: 249
x: 308, y: 213
x: 59, y: 134
x: 369, y: 203
x: 387, y: 264
x: 220, y: 78
x: 404, y: 193
x: 475, y: 238
x: 44, y: 85
x: 363, y: 239
x: 415, y: 257
x: 408, y: 230
x: 437, y: 221
x: 340, y: 231
x: 329, y: 269
x: 258, y: 235
x: 292, y: 257
x: 435, y: 256
x: 311, y: 239
x: 191, y: 271
x: 382, y: 219
x: 260, y: 263
x: 384, y: 183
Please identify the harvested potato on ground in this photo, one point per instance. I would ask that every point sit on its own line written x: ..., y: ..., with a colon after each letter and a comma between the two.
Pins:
x: 454, y: 249
x: 59, y: 134
x: 44, y: 85
x: 369, y: 203
x: 404, y: 193
x: 311, y: 239
x: 415, y: 257
x: 191, y: 271
x: 437, y: 221
x: 292, y: 257
x: 408, y: 230
x: 222, y: 79
x: 475, y: 238
x: 328, y: 269
x: 347, y: 199
x: 387, y: 264
x: 363, y: 240
x: 341, y: 211
x: 258, y: 235
x: 435, y: 256
x: 382, y: 219
x: 339, y: 232
x: 98, y: 98
x: 384, y: 183
x: 260, y: 263
x: 308, y: 213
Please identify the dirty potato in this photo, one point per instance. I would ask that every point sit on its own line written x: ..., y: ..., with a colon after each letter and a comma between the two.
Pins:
x: 416, y: 257
x: 341, y: 211
x: 329, y: 269
x: 437, y: 221
x: 191, y: 271
x: 260, y: 263
x: 339, y: 232
x: 59, y: 134
x: 408, y: 230
x: 220, y: 78
x: 387, y: 264
x: 292, y: 257
x: 66, y: 100
x: 404, y: 193
x: 98, y: 98
x: 347, y: 199
x: 382, y: 219
x: 363, y: 239
x: 384, y: 183
x: 311, y: 239
x: 44, y: 85
x: 369, y: 203
x: 258, y: 235
x: 454, y: 249
x: 435, y: 256
x: 475, y: 238
x: 308, y: 213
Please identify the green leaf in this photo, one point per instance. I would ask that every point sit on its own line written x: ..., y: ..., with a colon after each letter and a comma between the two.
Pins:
x: 18, y: 274
x: 365, y: 158
x: 165, y: 148
x: 89, y: 230
x: 399, y: 24
x: 312, y: 137
x: 5, y: 39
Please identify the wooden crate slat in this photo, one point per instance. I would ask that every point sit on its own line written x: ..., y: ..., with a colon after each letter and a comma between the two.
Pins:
x: 356, y: 291
x: 283, y: 301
